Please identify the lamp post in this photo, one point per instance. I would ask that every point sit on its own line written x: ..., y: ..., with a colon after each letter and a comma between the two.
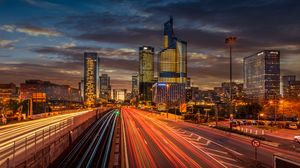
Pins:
x: 167, y: 100
x: 230, y: 41
x: 282, y: 103
x: 259, y: 115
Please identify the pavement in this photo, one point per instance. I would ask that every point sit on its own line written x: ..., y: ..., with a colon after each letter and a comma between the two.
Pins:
x: 284, y: 137
x: 152, y: 141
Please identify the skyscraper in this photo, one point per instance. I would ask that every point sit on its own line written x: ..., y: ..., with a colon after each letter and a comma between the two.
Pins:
x: 172, y: 79
x: 173, y: 58
x: 286, y: 80
x: 91, y: 78
x: 105, y: 88
x: 135, y: 86
x: 262, y: 75
x: 146, y: 72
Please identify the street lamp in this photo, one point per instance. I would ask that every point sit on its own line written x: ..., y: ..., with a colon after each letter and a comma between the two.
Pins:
x: 282, y: 103
x: 275, y: 112
x: 167, y: 100
x: 230, y: 41
x: 259, y: 116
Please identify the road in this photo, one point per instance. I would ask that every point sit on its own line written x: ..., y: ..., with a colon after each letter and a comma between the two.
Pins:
x: 93, y: 148
x: 20, y: 137
x: 151, y: 143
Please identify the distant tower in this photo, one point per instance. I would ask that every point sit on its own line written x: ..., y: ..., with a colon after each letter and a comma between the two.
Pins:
x: 91, y: 78
x: 105, y: 88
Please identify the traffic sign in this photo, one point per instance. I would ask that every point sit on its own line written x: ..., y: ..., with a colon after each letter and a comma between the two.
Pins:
x: 255, y: 143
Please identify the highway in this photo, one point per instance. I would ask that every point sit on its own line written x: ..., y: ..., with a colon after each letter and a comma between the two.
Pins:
x: 154, y: 141
x: 151, y: 143
x: 15, y: 139
x: 93, y: 148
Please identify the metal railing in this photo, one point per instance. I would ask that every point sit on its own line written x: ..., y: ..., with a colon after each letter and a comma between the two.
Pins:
x: 14, y: 153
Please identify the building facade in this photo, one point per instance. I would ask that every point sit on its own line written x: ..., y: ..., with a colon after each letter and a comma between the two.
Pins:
x: 173, y: 58
x: 262, y: 75
x: 91, y: 78
x: 172, y: 76
x: 286, y: 80
x: 105, y: 87
x: 54, y: 92
x: 290, y: 87
x: 171, y: 94
x: 8, y: 91
x: 135, y: 86
x: 119, y: 95
x: 146, y: 72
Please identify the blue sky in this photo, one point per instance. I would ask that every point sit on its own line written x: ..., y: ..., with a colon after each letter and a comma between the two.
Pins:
x: 46, y: 39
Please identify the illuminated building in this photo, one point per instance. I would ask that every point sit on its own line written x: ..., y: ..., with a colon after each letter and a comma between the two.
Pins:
x: 291, y: 87
x: 173, y: 58
x: 105, y: 87
x: 171, y: 94
x: 54, y: 92
x: 8, y: 91
x: 135, y: 86
x: 81, y: 89
x: 285, y: 84
x: 119, y: 95
x: 91, y: 78
x: 262, y: 75
x: 172, y: 80
x: 146, y: 72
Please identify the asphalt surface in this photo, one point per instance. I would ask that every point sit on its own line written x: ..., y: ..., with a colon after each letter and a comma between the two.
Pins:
x: 157, y: 143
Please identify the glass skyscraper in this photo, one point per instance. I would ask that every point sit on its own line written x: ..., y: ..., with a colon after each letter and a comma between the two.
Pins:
x: 146, y: 72
x: 105, y: 88
x: 91, y: 78
x: 262, y: 75
x: 173, y: 58
x: 172, y: 76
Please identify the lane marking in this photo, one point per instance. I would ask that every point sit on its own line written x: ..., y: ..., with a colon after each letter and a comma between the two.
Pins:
x: 225, y: 153
x: 125, y: 145
x: 224, y: 157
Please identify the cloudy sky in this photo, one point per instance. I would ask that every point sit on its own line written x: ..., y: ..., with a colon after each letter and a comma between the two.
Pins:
x: 45, y: 39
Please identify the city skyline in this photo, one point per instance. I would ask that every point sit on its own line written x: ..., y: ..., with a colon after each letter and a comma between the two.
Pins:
x: 50, y: 46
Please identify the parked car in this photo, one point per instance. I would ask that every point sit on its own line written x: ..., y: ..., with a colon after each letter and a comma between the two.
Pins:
x: 297, y: 138
x: 293, y: 126
x: 254, y: 122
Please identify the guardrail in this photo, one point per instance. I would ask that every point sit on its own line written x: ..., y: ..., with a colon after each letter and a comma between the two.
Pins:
x: 12, y: 154
x: 42, y: 147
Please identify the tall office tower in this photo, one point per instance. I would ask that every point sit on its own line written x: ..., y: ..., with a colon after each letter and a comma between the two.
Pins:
x: 119, y: 95
x: 91, y: 78
x: 262, y: 75
x: 286, y: 80
x: 173, y: 58
x: 81, y: 90
x: 172, y: 81
x: 105, y: 88
x: 135, y: 85
x: 146, y: 72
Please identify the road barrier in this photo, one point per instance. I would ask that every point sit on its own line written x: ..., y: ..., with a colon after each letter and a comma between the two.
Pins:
x: 42, y: 147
